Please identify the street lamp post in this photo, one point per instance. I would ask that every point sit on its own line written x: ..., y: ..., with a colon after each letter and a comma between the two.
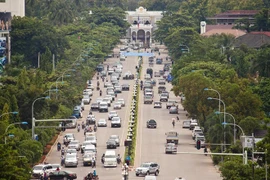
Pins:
x: 224, y: 119
x: 33, y: 118
x: 234, y: 125
x: 9, y: 127
x: 15, y: 112
x: 219, y: 97
x: 234, y: 130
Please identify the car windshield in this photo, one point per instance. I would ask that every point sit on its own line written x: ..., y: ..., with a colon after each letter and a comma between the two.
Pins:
x: 152, y: 122
x: 38, y: 167
x: 116, y: 119
x: 69, y: 135
x: 118, y: 103
x: 109, y: 156
x: 55, y: 165
x: 145, y: 165
x: 91, y: 137
x: 113, y: 137
x: 73, y: 142
x: 102, y: 120
x: 70, y: 157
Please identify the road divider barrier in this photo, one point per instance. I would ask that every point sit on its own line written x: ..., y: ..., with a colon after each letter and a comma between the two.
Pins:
x: 130, y: 141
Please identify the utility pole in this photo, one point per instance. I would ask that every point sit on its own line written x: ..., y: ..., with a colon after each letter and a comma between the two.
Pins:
x: 53, y: 61
x: 38, y: 60
x: 253, y: 144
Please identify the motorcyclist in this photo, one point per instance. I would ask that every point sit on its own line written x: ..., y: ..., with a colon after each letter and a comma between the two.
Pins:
x: 100, y: 92
x: 173, y: 122
x: 102, y: 158
x: 205, y: 151
x: 58, y: 146
x: 78, y: 127
x: 95, y: 128
x: 98, y: 83
x: 83, y: 125
x: 90, y: 129
x: 63, y: 151
x: 118, y: 159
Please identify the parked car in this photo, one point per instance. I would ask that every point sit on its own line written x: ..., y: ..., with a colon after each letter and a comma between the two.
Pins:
x: 151, y: 123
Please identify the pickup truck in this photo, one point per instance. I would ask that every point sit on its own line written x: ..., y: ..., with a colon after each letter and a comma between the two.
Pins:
x: 147, y: 100
x: 172, y: 137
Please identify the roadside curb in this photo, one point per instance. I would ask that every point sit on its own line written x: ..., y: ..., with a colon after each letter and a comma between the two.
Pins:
x: 56, y: 141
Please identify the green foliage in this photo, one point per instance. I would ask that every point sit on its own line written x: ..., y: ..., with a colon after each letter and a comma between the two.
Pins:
x: 13, y: 166
x: 31, y: 149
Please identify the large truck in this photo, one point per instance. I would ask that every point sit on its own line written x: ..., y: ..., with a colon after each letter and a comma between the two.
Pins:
x: 172, y: 137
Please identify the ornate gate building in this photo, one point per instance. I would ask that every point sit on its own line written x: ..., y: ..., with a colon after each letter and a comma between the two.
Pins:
x: 143, y: 24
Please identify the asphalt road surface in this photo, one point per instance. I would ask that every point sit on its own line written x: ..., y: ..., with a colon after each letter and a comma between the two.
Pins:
x: 150, y: 146
x: 103, y: 133
x: 150, y: 142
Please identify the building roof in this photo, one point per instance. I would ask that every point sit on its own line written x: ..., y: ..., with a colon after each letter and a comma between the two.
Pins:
x: 267, y: 33
x: 235, y: 32
x: 236, y: 14
x: 218, y: 26
x: 252, y: 40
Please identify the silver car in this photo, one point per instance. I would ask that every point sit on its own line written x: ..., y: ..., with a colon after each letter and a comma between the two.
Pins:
x: 117, y: 105
x: 116, y: 139
x: 122, y: 102
x: 74, y: 144
x: 112, y: 114
x: 71, y: 160
x: 102, y: 123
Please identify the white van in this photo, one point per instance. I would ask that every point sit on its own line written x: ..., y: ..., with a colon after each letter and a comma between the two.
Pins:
x: 110, y: 159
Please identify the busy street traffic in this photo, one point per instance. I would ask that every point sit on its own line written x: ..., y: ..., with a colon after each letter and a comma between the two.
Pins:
x: 102, y: 120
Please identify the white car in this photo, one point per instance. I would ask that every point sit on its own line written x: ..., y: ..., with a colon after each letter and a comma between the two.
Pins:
x: 70, y: 136
x: 85, y: 143
x: 71, y: 151
x: 55, y: 166
x: 71, y: 160
x: 107, y: 84
x: 107, y: 100
x: 38, y: 170
x: 117, y: 105
x: 91, y: 139
x: 112, y: 114
x: 98, y: 100
x: 110, y: 97
x: 86, y: 99
x: 74, y: 144
x: 102, y: 123
x: 88, y: 92
x: 116, y: 122
x: 90, y: 86
x: 157, y: 104
x: 122, y: 102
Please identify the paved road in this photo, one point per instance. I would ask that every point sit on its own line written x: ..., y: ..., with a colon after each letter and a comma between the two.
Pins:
x: 103, y: 133
x: 151, y: 142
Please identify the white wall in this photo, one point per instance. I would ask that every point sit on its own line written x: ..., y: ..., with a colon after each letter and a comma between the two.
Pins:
x: 16, y: 7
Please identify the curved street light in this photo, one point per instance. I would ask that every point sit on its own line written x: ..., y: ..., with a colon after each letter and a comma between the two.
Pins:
x: 219, y: 97
x: 224, y: 118
x: 15, y: 112
x: 33, y: 118
x: 9, y: 127
x: 234, y: 130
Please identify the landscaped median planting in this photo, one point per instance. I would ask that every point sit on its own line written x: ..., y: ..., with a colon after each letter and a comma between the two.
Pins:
x: 130, y: 141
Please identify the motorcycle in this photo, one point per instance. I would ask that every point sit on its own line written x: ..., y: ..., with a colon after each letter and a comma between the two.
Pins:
x: 205, y: 151
x: 100, y: 93
x: 83, y: 125
x: 78, y: 128
x: 62, y: 162
x: 118, y: 160
x: 58, y: 147
x: 95, y: 128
